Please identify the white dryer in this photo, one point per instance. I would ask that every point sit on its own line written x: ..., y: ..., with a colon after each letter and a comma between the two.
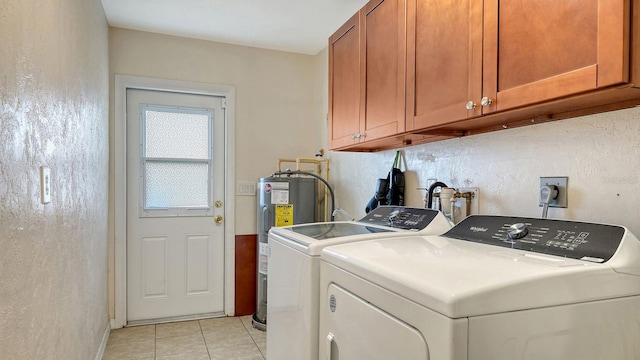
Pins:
x: 491, y: 288
x: 293, y: 292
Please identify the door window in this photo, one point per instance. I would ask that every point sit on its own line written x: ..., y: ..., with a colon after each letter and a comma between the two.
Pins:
x: 176, y: 160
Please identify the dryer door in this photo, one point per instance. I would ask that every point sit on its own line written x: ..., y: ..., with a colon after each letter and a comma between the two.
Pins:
x: 359, y: 330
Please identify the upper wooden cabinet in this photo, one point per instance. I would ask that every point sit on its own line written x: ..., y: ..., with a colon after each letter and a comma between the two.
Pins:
x: 536, y: 50
x: 476, y: 66
x: 344, y: 84
x: 444, y: 60
x: 472, y: 58
x: 367, y: 75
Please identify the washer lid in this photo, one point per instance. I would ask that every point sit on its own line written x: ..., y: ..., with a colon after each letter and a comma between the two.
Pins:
x: 458, y: 278
x: 312, y: 238
x: 382, y: 222
x: 330, y: 230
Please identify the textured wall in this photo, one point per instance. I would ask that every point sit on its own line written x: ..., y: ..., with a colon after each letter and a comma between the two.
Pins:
x: 599, y: 153
x: 54, y: 112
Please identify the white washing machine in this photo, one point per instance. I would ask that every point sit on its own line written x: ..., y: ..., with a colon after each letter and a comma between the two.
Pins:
x: 491, y: 288
x: 293, y: 292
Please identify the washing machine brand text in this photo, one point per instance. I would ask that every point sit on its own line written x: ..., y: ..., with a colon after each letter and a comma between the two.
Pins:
x: 478, y: 229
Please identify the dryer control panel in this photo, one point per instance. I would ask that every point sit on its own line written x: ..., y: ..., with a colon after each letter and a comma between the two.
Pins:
x: 400, y: 217
x: 571, y: 239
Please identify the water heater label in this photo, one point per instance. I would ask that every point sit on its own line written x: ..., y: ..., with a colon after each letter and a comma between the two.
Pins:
x: 284, y: 215
x: 263, y: 264
x: 275, y: 186
x: 264, y: 249
x: 279, y: 196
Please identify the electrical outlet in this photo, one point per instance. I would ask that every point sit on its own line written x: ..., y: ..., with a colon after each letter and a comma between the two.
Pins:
x: 562, y: 183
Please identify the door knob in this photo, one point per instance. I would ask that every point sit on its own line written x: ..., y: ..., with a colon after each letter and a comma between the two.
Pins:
x: 218, y: 219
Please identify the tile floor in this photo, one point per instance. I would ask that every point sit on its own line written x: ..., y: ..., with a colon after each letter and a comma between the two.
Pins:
x: 231, y: 338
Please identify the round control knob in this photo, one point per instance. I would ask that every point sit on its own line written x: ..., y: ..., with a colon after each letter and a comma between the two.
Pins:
x: 517, y: 231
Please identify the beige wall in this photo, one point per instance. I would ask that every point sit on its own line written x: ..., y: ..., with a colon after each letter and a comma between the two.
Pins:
x: 275, y: 101
x: 600, y: 154
x: 274, y: 96
x: 53, y: 111
x: 321, y: 95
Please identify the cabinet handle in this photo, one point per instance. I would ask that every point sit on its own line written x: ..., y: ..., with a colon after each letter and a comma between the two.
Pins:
x: 362, y: 135
x: 357, y: 136
x: 485, y: 101
x: 471, y: 105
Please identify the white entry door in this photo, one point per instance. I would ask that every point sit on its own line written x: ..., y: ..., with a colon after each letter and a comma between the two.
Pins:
x: 175, y: 193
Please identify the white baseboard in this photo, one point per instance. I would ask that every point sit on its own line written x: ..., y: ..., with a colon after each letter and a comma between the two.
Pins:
x: 103, y: 343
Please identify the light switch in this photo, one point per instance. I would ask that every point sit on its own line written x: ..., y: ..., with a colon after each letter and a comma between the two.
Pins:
x: 45, y: 184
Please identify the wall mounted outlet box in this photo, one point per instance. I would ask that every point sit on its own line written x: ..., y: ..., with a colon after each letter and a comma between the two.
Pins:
x: 561, y: 182
x: 45, y: 184
x: 246, y: 188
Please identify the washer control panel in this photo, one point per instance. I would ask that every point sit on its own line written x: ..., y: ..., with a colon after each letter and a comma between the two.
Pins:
x: 401, y: 217
x: 571, y: 239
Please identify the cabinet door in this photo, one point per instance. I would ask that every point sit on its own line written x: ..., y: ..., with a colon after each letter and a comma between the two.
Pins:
x: 444, y: 61
x: 344, y: 84
x: 537, y: 50
x: 383, y: 52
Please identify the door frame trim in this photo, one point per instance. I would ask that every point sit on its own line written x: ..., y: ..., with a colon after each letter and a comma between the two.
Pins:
x: 122, y: 83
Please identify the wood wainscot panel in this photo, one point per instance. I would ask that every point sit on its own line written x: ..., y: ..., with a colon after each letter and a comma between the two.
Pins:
x: 245, y: 274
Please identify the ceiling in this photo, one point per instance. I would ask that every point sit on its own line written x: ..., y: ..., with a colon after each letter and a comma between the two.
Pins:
x: 300, y: 26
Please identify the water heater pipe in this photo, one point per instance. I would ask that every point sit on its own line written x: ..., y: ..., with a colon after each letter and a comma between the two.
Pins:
x: 318, y: 161
x: 298, y: 172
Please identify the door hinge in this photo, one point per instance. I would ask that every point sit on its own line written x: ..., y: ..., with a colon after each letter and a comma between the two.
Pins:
x: 224, y: 103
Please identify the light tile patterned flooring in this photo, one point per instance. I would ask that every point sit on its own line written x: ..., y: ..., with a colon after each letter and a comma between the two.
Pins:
x: 231, y: 338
